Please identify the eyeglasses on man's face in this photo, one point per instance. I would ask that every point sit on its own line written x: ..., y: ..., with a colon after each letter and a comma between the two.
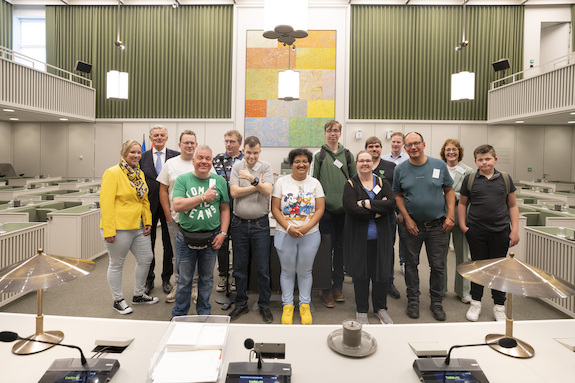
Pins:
x: 334, y: 131
x: 416, y: 144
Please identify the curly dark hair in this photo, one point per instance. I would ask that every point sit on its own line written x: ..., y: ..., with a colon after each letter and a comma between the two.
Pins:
x: 299, y: 152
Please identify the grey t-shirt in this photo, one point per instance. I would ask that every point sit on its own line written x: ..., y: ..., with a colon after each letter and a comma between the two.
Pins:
x: 253, y: 205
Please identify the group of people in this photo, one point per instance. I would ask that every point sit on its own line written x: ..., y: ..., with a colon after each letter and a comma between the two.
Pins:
x: 206, y: 203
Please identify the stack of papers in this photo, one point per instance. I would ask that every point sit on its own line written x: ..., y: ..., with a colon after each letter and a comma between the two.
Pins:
x: 193, y: 353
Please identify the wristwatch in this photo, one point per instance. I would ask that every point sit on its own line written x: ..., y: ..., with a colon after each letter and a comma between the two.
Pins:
x: 363, y: 203
x: 256, y: 181
x: 224, y: 233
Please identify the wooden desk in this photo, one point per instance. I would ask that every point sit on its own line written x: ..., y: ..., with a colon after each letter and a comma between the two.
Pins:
x: 307, y: 350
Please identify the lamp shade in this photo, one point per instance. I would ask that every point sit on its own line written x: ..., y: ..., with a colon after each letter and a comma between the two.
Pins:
x: 463, y: 86
x: 117, y: 85
x: 285, y: 12
x: 288, y: 85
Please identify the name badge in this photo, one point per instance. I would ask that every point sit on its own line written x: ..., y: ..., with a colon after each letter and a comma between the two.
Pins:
x: 256, y: 166
x: 376, y: 189
x: 338, y: 164
x: 460, y: 169
x: 435, y: 173
x: 212, y: 182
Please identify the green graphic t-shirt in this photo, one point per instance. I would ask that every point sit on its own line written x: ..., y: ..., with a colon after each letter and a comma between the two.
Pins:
x: 205, y: 216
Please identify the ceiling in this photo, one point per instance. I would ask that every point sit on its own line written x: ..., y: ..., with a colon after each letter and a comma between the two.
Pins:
x: 311, y: 2
x: 33, y: 116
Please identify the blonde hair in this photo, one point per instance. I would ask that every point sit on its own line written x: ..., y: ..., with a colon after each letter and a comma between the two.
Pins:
x: 127, y: 145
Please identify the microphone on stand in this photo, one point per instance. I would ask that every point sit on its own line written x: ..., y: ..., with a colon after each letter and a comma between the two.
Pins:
x: 9, y: 336
x: 250, y: 345
x: 503, y: 342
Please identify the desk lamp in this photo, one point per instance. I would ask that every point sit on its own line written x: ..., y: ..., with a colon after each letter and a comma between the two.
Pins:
x: 513, y: 276
x: 38, y: 273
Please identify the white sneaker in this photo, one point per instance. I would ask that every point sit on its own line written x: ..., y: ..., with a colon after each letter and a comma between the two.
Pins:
x: 222, y: 284
x: 474, y: 311
x: 361, y: 318
x: 499, y: 312
x: 383, y: 316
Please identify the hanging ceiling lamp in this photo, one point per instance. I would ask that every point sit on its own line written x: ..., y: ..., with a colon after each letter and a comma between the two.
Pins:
x: 463, y: 83
x: 285, y: 20
x: 288, y: 82
x: 116, y: 81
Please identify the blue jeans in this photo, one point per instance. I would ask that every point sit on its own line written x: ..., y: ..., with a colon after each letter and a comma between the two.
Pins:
x: 186, y: 263
x: 254, y: 234
x: 296, y: 257
x: 436, y: 246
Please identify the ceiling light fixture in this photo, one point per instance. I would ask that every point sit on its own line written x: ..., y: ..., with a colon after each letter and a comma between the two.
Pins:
x: 519, y: 122
x: 14, y: 119
x: 9, y: 110
x: 571, y: 122
x: 463, y: 83
x: 63, y: 119
x: 288, y: 81
x: 285, y: 20
x: 116, y: 81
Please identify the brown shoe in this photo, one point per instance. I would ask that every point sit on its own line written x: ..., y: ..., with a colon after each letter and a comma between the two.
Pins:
x: 338, y: 295
x: 327, y: 299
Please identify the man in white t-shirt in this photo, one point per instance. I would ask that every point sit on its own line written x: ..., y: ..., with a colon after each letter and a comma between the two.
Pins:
x: 167, y: 178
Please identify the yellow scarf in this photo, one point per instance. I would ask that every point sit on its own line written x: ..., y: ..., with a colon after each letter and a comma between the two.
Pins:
x: 133, y: 175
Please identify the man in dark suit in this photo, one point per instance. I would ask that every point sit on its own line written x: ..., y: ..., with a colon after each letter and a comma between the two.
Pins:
x: 151, y: 164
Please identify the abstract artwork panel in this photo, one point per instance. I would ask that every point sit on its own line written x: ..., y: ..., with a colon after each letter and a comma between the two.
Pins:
x: 271, y: 131
x: 279, y: 123
x: 307, y: 132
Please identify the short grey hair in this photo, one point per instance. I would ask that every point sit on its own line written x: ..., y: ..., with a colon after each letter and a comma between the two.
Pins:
x: 158, y: 127
x: 203, y: 147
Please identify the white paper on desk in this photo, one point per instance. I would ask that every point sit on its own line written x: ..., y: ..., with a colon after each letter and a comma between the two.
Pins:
x: 567, y: 342
x: 196, y: 336
x: 188, y: 367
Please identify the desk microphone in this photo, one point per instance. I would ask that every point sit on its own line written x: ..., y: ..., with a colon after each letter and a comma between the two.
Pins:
x: 503, y: 342
x: 9, y: 336
x: 250, y: 345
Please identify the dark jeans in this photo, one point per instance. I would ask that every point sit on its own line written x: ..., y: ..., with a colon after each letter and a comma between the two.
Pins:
x: 333, y: 224
x: 378, y: 289
x: 224, y: 258
x: 254, y: 234
x: 167, y: 263
x: 485, y: 244
x: 436, y: 245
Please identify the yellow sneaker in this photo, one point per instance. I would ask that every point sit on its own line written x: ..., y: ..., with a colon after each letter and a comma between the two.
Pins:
x: 287, y: 315
x: 305, y: 314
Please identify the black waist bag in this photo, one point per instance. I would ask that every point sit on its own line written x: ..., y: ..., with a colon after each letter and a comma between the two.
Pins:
x: 198, y: 240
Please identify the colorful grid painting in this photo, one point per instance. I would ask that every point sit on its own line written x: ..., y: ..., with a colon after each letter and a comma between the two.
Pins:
x: 290, y: 123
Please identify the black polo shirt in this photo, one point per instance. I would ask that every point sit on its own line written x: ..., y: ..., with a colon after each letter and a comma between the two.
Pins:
x: 385, y: 170
x: 488, y: 202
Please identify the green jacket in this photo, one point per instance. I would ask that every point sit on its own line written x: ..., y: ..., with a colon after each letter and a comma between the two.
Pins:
x: 331, y: 177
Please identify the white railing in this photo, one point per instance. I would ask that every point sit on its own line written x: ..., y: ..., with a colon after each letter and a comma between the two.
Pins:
x: 62, y: 93
x: 18, y: 245
x: 549, y: 88
x: 556, y: 256
x: 31, y: 62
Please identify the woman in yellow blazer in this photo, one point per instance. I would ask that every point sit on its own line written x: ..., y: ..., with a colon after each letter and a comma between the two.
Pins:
x: 126, y: 224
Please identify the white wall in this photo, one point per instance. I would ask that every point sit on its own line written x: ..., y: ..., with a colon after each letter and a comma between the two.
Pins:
x: 535, y: 16
x: 6, y: 142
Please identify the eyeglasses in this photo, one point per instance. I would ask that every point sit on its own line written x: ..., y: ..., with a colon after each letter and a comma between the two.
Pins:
x: 304, y: 162
x: 364, y: 161
x: 330, y: 131
x: 231, y: 142
x: 188, y: 143
x: 416, y: 144
x: 451, y: 149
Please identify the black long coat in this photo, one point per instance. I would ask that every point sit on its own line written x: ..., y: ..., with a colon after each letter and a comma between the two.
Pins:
x: 355, y: 231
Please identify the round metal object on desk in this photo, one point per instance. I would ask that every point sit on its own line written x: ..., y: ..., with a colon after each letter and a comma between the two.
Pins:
x: 42, y: 271
x: 38, y: 273
x: 352, y: 341
x: 511, y: 275
x: 521, y: 350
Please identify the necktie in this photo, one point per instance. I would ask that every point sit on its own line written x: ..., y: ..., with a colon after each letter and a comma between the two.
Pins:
x: 159, y: 163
